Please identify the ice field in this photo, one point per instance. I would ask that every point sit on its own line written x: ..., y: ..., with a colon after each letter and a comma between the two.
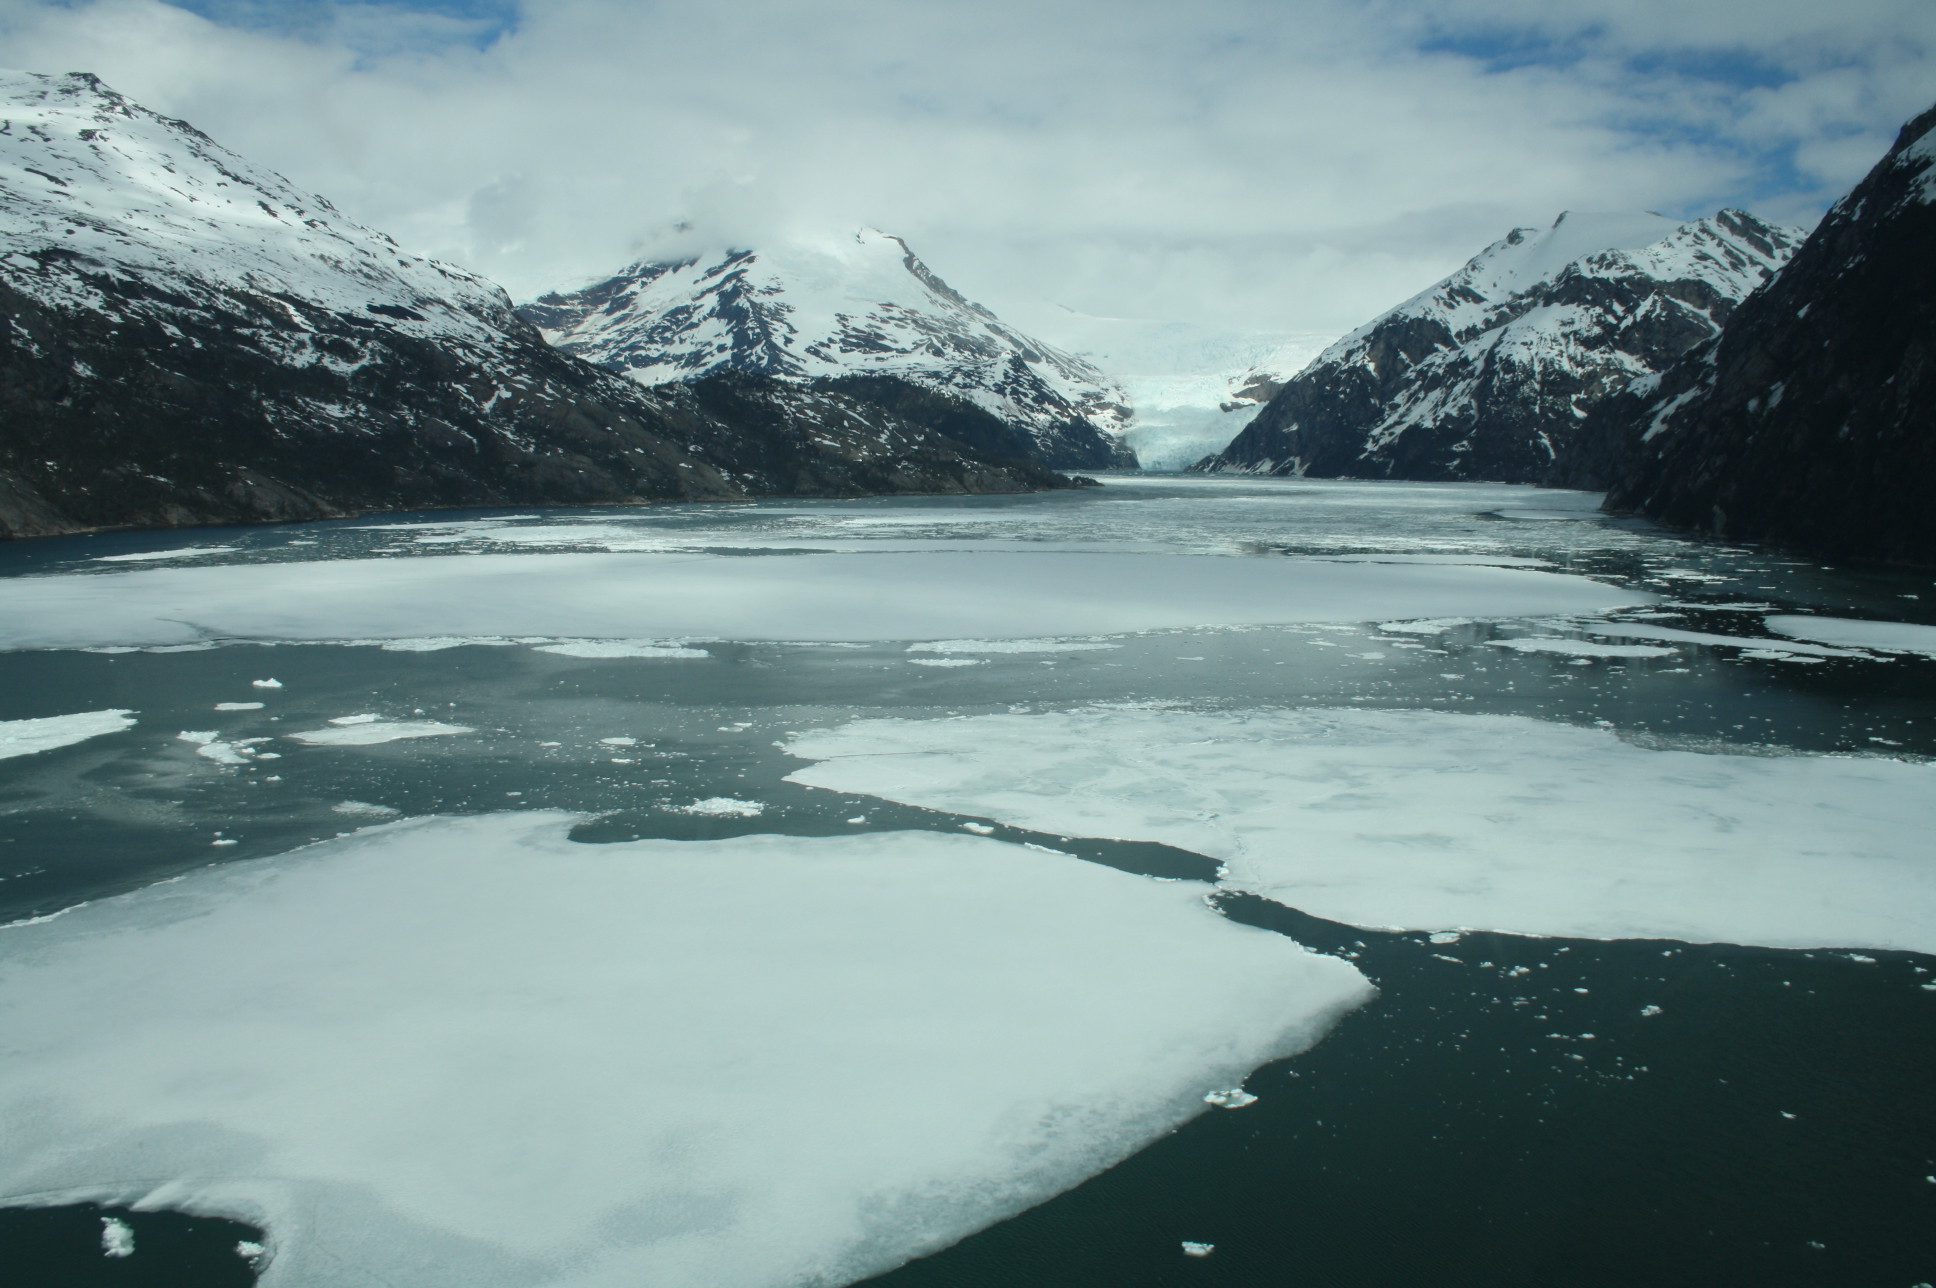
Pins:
x: 918, y: 891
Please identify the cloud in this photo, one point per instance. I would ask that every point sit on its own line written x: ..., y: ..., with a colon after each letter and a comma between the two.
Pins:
x: 1284, y: 164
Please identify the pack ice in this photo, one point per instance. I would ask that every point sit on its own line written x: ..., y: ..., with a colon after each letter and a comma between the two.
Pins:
x: 929, y: 596
x: 1426, y: 820
x: 471, y: 1053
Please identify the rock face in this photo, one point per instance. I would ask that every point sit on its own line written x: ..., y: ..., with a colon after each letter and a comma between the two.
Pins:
x: 863, y: 307
x: 189, y: 339
x: 1811, y: 420
x: 1489, y: 374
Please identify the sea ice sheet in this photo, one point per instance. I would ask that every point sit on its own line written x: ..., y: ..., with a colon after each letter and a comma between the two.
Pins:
x: 45, y: 733
x: 1890, y: 637
x: 1435, y: 821
x: 469, y: 1053
x: 370, y: 732
x: 934, y: 596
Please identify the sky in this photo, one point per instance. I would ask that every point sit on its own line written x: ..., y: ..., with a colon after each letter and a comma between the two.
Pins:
x: 1278, y: 165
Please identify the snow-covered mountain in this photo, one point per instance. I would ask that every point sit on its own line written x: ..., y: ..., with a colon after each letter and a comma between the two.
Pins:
x: 1488, y: 374
x: 1811, y: 420
x: 864, y: 306
x: 193, y: 339
x: 1189, y: 387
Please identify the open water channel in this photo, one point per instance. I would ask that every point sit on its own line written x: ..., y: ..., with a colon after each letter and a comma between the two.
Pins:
x: 919, y: 890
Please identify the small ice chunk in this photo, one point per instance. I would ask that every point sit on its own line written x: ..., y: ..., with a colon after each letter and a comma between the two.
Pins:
x: 1446, y: 936
x: 210, y: 745
x: 1650, y: 1009
x: 1198, y: 1249
x: 1230, y: 1098
x: 117, y: 1237
x: 719, y: 806
x: 620, y: 742
x: 45, y: 733
x: 355, y: 720
x: 364, y: 809
x: 270, y: 683
x: 250, y: 1251
x: 947, y: 661
x: 979, y: 829
x: 366, y: 735
x: 238, y: 706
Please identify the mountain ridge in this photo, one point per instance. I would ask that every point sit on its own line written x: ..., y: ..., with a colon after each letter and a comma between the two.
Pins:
x: 863, y: 306
x: 1810, y: 420
x: 192, y: 339
x: 1487, y: 373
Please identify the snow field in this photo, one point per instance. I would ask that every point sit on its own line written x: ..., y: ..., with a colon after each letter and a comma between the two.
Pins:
x: 1425, y: 820
x: 935, y: 596
x: 469, y: 1052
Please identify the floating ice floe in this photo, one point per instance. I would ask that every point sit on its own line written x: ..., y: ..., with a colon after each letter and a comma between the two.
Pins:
x: 1581, y: 648
x: 1673, y: 635
x: 117, y: 1237
x: 469, y: 1053
x: 45, y: 733
x: 1230, y: 1098
x: 363, y: 809
x: 1889, y: 637
x: 1193, y: 1249
x: 238, y: 706
x: 360, y: 733
x: 620, y: 648
x: 947, y: 661
x: 1424, y: 820
x: 158, y: 556
x: 938, y: 596
x: 210, y: 745
x: 720, y: 807
x: 1010, y: 646
x: 1428, y: 626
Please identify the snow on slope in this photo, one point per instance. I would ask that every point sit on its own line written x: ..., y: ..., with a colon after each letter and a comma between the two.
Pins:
x: 191, y: 339
x: 862, y: 306
x: 1486, y: 374
x: 145, y: 194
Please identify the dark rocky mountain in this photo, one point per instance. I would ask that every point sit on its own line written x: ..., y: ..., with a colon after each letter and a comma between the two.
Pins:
x: 189, y: 339
x: 1488, y: 374
x: 861, y: 307
x: 1811, y: 420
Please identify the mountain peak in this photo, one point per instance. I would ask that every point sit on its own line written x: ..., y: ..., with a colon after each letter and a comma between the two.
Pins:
x: 863, y: 304
x: 1488, y: 373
